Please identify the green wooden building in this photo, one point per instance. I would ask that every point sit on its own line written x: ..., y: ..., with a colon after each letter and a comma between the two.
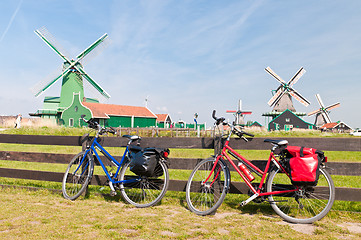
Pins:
x: 287, y: 121
x: 111, y: 115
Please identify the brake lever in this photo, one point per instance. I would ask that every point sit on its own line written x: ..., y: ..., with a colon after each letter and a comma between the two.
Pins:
x: 112, y: 130
x: 221, y: 120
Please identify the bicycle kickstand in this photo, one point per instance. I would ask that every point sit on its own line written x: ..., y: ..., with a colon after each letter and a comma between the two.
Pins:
x: 112, y: 192
x: 254, y: 196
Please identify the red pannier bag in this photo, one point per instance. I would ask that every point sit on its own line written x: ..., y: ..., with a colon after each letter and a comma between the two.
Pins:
x: 304, y: 165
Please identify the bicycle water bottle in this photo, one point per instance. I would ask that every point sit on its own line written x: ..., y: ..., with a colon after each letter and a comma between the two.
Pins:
x: 246, y: 172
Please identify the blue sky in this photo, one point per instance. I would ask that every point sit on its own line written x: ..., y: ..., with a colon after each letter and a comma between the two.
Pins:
x: 188, y: 56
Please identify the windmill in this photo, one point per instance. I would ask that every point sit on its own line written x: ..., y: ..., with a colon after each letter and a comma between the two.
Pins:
x: 322, y: 114
x: 284, y: 115
x: 282, y: 100
x: 239, y: 114
x: 72, y: 74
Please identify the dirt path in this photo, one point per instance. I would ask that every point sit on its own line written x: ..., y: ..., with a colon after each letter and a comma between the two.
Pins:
x: 310, y: 229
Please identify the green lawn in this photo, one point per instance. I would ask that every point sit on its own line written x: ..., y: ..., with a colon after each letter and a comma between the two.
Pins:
x: 47, y: 215
x: 66, y: 131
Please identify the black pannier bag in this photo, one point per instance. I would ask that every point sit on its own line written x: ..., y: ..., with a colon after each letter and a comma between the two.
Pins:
x: 143, y: 163
x: 304, y: 165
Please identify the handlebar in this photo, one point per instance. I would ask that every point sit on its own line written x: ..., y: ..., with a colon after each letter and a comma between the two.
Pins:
x: 95, y: 125
x: 218, y: 120
x: 244, y: 133
x: 235, y: 130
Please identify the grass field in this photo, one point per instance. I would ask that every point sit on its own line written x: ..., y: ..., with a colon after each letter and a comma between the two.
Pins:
x: 44, y: 214
x: 65, y: 131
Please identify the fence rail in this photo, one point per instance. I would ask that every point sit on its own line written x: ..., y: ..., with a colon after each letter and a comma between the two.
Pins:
x: 326, y: 144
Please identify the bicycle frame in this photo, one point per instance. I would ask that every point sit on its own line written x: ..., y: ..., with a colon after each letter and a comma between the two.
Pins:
x: 263, y: 174
x: 93, y: 149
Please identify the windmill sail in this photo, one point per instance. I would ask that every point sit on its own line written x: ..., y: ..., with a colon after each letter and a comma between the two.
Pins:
x: 299, y: 97
x: 94, y: 84
x: 282, y: 99
x: 276, y: 97
x: 273, y: 74
x: 91, y: 48
x: 333, y: 106
x: 41, y: 87
x: 44, y: 34
x: 297, y: 76
x: 71, y: 66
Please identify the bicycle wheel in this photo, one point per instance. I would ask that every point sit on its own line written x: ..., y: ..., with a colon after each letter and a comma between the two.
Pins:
x: 204, y: 198
x: 77, y: 175
x: 307, y: 205
x: 144, y: 191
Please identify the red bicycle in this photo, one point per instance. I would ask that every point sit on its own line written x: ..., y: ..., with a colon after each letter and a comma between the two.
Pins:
x: 210, y: 181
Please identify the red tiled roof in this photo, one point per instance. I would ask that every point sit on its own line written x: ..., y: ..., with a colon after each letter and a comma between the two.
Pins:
x: 330, y: 125
x: 161, y: 117
x: 100, y: 110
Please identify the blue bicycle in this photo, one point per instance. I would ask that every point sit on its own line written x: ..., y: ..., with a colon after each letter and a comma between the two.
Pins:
x: 141, y: 189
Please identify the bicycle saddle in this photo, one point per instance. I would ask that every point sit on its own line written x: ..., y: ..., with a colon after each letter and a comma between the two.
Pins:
x: 133, y: 138
x: 277, y: 142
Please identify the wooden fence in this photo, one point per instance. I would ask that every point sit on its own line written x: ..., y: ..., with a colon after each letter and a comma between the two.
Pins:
x: 325, y: 144
x: 165, y: 132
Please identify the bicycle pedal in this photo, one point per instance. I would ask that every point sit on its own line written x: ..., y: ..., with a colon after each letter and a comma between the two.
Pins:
x: 113, y: 193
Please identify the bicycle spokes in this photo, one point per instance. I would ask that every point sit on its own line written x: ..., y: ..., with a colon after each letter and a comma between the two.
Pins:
x: 306, y: 204
x: 207, y: 187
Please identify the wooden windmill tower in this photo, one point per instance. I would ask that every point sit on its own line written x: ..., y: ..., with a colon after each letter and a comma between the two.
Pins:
x: 322, y: 114
x: 239, y: 114
x: 72, y: 76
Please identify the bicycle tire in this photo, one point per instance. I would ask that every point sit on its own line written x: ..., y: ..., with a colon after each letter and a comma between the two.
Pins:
x: 77, y: 176
x: 205, y: 199
x: 308, y: 205
x: 146, y: 191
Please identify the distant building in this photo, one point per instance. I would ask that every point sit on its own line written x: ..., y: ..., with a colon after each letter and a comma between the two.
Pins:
x: 339, y: 127
x: 255, y: 124
x: 287, y: 121
x: 163, y: 120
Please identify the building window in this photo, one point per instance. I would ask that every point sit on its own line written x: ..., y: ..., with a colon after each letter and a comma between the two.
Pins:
x: 287, y: 120
x: 71, y: 122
